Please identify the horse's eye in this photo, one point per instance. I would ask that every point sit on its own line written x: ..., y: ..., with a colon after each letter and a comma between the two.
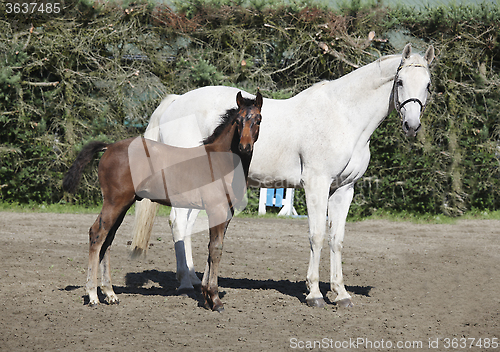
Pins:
x: 399, y: 83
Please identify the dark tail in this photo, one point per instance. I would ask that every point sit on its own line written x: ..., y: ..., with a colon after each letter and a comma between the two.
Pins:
x: 72, y: 177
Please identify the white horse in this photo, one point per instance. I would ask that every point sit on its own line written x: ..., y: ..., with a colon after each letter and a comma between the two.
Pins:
x: 318, y: 140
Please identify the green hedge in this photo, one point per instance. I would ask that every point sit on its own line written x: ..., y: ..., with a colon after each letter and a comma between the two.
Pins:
x: 98, y: 70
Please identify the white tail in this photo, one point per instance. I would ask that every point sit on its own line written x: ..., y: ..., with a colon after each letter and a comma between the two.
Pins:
x: 145, y: 210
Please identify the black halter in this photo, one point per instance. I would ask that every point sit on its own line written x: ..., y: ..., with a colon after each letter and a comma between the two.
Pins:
x: 399, y: 105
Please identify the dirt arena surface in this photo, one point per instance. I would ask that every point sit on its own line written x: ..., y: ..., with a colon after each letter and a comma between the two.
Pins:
x: 415, y: 287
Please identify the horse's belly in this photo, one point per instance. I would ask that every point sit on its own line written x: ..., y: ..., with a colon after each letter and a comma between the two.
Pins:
x: 271, y: 171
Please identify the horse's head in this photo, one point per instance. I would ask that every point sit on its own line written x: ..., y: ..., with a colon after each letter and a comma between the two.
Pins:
x: 248, y: 122
x: 411, y: 88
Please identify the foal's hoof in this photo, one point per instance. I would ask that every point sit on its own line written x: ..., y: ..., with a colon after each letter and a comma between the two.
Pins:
x: 93, y: 304
x: 316, y: 302
x: 113, y: 301
x: 218, y: 308
x: 186, y: 292
x: 345, y: 303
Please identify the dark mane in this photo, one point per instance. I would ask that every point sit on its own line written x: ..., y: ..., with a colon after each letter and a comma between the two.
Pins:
x: 226, y: 119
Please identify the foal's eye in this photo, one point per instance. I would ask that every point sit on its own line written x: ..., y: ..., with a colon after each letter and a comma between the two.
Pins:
x: 399, y: 83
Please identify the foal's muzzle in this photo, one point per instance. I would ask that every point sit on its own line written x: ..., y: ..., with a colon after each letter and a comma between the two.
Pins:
x: 245, y: 148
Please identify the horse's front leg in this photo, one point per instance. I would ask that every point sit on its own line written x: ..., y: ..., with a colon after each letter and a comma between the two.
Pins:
x: 181, y: 223
x: 316, y: 190
x: 210, y: 288
x: 218, y: 222
x: 338, y: 207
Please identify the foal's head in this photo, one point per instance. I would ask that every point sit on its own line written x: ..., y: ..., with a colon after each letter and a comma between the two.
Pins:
x: 248, y: 121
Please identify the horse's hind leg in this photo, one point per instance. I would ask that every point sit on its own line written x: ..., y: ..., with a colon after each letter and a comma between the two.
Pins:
x: 181, y: 223
x: 109, y: 219
x: 106, y: 286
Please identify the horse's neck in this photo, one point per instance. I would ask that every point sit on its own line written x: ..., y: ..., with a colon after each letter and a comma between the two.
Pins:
x: 224, y: 142
x: 367, y: 92
x: 228, y: 141
x: 245, y: 162
x: 368, y: 81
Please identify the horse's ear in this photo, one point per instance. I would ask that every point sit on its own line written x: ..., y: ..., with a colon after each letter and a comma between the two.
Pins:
x: 429, y: 54
x: 258, y: 100
x: 239, y: 100
x: 407, y: 51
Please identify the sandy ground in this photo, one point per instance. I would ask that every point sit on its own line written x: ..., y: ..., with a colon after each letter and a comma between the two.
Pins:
x: 425, y: 287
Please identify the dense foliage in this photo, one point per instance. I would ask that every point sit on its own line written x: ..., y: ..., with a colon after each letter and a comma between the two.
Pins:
x: 98, y: 70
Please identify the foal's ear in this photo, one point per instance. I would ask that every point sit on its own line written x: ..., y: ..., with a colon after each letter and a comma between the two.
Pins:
x: 429, y: 54
x: 258, y: 100
x: 406, y: 52
x: 239, y: 100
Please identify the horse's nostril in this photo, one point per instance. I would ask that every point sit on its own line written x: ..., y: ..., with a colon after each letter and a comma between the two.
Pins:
x: 406, y: 126
x: 245, y: 148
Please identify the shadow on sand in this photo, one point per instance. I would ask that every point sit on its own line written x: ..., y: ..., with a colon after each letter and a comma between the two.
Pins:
x: 167, y: 286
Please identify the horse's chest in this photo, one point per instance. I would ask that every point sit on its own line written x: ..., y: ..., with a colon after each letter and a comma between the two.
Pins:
x: 356, y: 165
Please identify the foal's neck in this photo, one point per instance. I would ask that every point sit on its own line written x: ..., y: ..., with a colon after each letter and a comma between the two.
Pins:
x: 228, y: 141
x: 225, y: 141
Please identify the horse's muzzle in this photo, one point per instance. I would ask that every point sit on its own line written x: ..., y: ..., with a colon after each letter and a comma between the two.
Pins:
x: 409, y: 130
x: 245, y: 148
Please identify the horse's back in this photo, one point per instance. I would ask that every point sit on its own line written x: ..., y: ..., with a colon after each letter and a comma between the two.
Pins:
x: 194, y: 115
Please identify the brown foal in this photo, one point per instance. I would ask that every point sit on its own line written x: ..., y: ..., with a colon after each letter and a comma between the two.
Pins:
x: 212, y: 177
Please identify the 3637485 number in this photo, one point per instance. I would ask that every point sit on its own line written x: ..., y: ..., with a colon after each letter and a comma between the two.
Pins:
x: 470, y: 342
x: 26, y: 8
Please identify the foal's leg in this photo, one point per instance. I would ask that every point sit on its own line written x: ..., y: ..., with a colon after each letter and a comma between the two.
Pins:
x: 209, y: 285
x: 181, y: 223
x: 98, y: 236
x: 338, y: 207
x: 106, y: 286
x: 316, y: 190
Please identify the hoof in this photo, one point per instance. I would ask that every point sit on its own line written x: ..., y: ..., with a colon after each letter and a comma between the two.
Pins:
x: 345, y: 303
x: 186, y: 292
x: 113, y: 301
x: 93, y: 304
x: 218, y: 308
x: 316, y: 302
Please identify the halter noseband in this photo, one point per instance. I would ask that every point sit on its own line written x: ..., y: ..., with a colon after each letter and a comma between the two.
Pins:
x: 411, y: 100
x: 399, y: 105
